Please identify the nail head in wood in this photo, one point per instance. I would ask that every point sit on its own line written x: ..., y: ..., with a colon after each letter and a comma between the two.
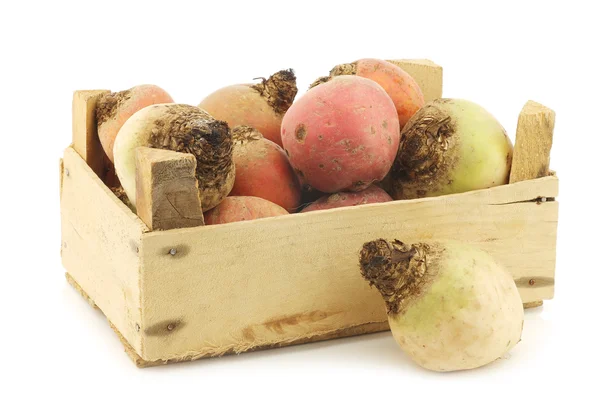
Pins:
x: 173, y: 252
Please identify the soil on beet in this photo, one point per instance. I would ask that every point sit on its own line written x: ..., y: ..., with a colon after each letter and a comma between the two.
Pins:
x: 109, y: 103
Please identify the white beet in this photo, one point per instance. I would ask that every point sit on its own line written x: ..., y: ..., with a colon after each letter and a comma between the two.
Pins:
x: 183, y: 128
x: 450, y: 306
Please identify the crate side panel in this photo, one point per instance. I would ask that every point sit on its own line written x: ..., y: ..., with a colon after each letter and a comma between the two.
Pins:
x: 234, y: 287
x: 100, y: 238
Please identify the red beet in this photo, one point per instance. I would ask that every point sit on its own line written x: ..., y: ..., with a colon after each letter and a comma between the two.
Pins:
x: 342, y: 135
x: 372, y: 194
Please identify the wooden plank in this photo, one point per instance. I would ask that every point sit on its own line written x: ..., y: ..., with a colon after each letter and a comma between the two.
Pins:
x: 352, y: 331
x: 230, y: 288
x: 429, y: 76
x: 166, y: 189
x: 533, y: 142
x: 100, y: 242
x: 531, y: 157
x: 141, y: 363
x: 85, y: 133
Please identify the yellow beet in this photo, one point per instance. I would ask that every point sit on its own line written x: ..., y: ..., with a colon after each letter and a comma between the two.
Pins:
x: 260, y: 106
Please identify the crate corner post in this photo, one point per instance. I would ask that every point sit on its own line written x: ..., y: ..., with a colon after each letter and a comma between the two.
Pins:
x: 531, y: 160
x: 100, y: 235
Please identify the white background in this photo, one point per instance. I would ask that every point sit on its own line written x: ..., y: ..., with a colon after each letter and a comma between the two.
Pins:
x: 497, y: 54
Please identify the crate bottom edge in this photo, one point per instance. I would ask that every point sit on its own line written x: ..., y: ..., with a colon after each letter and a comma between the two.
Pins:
x: 369, y: 327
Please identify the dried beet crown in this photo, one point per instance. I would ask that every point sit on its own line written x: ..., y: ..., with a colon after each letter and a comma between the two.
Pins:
x: 396, y: 269
x: 424, y: 140
x: 279, y: 90
x: 341, y: 69
x: 189, y: 129
x: 244, y: 133
x: 425, y: 153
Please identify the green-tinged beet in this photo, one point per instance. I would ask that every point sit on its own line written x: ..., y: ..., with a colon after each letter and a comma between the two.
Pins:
x: 450, y: 146
x: 450, y: 305
x: 242, y: 208
x: 261, y: 105
x: 182, y: 128
x: 262, y: 169
x: 341, y: 135
x: 372, y: 194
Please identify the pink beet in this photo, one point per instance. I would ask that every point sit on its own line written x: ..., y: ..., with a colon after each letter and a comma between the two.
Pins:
x: 397, y: 83
x: 373, y: 194
x: 342, y: 135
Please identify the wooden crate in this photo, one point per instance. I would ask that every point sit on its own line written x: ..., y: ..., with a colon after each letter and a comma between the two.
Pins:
x: 187, y: 293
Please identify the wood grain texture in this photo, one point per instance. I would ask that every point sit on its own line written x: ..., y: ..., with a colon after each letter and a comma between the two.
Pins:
x: 85, y: 133
x: 234, y: 287
x: 100, y: 240
x: 426, y: 73
x: 352, y: 331
x: 531, y: 157
x: 166, y: 189
x: 533, y: 142
x: 141, y: 363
